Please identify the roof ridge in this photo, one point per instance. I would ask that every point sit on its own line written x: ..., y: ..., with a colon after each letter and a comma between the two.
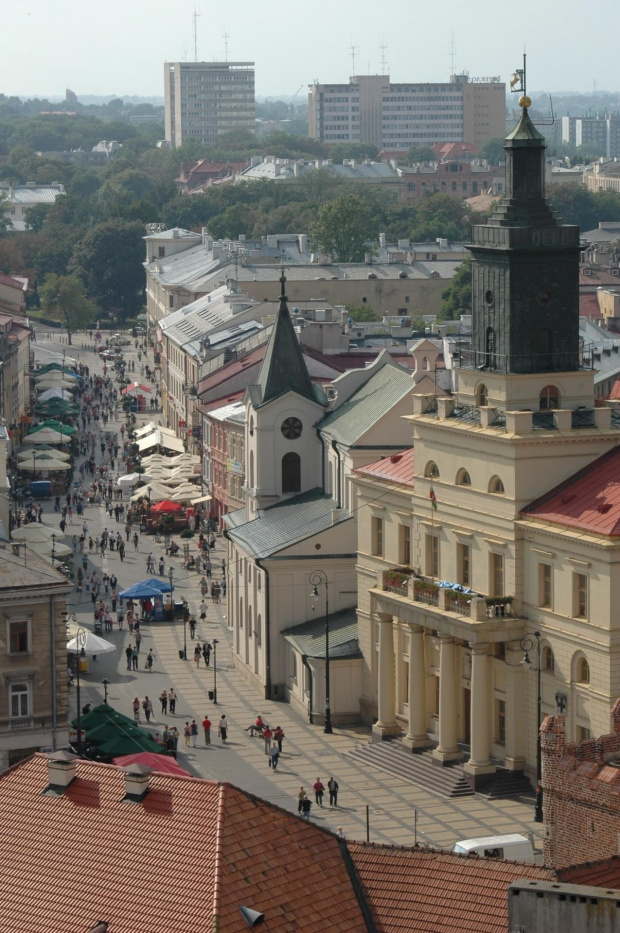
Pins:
x: 573, y: 478
x: 218, y: 858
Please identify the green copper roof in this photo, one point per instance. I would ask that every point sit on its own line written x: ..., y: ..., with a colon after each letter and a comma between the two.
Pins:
x: 284, y: 367
x: 525, y: 131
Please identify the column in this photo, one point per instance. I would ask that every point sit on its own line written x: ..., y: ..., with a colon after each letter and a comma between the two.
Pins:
x: 480, y: 724
x: 386, y: 723
x: 447, y: 750
x: 416, y: 736
x: 515, y: 700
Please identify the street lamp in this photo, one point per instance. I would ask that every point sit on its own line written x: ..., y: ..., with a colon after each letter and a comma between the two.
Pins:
x: 53, y: 548
x: 215, y: 643
x: 105, y: 683
x: 529, y: 642
x: 318, y: 578
x: 80, y: 639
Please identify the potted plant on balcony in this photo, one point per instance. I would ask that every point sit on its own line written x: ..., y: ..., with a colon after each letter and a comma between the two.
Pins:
x: 396, y: 578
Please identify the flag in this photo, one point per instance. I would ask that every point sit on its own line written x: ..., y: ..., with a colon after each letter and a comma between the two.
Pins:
x: 433, y: 498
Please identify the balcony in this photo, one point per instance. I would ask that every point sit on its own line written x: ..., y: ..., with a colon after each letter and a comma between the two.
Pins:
x: 21, y: 723
x: 397, y: 580
x: 426, y: 592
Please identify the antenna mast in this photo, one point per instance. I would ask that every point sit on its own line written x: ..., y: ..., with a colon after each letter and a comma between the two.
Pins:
x: 452, y: 54
x: 226, y: 37
x: 383, y: 48
x: 354, y: 51
x: 195, y: 16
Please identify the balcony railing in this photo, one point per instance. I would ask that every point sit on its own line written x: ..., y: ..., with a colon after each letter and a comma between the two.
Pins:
x: 21, y: 723
x: 459, y: 602
x: 396, y: 581
x: 427, y: 593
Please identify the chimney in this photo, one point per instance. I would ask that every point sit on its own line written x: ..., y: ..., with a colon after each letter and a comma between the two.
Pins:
x: 175, y: 233
x: 382, y: 240
x: 136, y: 783
x: 335, y: 516
x: 61, y: 772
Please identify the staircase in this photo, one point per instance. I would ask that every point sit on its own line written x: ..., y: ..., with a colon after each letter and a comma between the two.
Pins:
x: 506, y: 783
x: 417, y: 767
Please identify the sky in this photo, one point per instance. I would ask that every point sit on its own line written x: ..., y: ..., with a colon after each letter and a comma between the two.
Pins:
x: 119, y: 46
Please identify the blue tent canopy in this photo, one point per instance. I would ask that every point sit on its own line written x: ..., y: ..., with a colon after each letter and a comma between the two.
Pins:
x: 158, y: 583
x: 146, y: 589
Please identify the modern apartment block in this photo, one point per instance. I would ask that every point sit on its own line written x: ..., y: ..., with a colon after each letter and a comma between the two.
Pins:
x: 396, y: 116
x: 205, y: 99
x: 601, y: 129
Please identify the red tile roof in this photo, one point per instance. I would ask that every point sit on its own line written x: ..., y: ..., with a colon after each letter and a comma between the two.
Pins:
x: 20, y: 283
x: 603, y: 874
x: 181, y: 860
x: 437, y: 892
x: 395, y: 469
x: 588, y: 501
x: 589, y: 307
x: 615, y: 392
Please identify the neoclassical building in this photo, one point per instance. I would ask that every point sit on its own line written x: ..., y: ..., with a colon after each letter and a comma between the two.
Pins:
x: 512, y: 493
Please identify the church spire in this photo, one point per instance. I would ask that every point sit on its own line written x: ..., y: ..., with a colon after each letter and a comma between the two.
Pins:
x: 284, y: 368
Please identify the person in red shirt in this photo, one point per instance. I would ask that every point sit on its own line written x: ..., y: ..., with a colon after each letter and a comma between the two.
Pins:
x: 318, y: 787
x: 206, y: 725
x: 256, y: 726
x: 267, y: 734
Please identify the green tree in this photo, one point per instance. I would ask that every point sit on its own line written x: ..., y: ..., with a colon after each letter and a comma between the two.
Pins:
x: 457, y: 297
x: 36, y: 216
x: 340, y: 151
x: 109, y: 261
x: 420, y: 154
x: 343, y: 228
x: 362, y: 313
x: 493, y: 151
x: 440, y: 215
x: 63, y: 299
x: 229, y: 224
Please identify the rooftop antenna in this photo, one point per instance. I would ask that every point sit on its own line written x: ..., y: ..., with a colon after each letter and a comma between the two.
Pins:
x: 354, y: 51
x: 184, y: 52
x: 383, y: 48
x: 226, y: 37
x: 452, y: 53
x: 195, y: 16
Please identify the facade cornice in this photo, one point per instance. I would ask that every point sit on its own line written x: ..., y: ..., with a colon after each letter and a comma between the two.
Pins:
x: 454, y: 426
x: 579, y: 539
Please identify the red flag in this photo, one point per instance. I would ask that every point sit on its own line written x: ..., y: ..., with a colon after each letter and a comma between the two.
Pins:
x: 433, y: 498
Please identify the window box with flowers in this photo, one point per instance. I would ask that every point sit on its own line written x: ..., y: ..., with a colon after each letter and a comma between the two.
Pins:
x: 396, y: 580
x: 425, y: 592
x: 459, y: 602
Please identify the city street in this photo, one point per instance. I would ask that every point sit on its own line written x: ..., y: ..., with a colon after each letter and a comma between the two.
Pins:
x: 307, y: 751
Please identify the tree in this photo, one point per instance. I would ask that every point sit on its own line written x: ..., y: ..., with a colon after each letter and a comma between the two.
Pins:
x: 340, y: 151
x: 420, y: 154
x: 63, y: 299
x: 343, y: 228
x: 440, y: 215
x: 361, y: 313
x: 493, y: 151
x: 109, y: 261
x: 457, y: 297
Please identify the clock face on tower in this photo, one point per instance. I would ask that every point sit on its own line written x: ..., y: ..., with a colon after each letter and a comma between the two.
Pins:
x: 291, y: 428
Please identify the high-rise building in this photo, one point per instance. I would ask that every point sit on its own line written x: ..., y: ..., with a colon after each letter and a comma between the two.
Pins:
x: 205, y: 99
x: 598, y: 129
x: 396, y: 116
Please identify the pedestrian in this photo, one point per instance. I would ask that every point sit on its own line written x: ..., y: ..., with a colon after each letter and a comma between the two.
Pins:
x: 278, y: 734
x: 206, y: 725
x: 120, y: 617
x: 187, y: 732
x: 197, y: 653
x: 172, y: 701
x: 332, y: 787
x: 135, y: 540
x: 202, y: 611
x: 128, y: 656
x: 162, y: 566
x: 222, y: 729
x: 138, y: 641
x: 192, y: 627
x: 147, y: 706
x: 340, y: 834
x: 206, y: 651
x: 267, y: 736
x: 130, y: 620
x: 274, y: 756
x: 121, y: 550
x: 306, y: 805
x: 134, y: 658
x: 163, y: 699
x: 136, y: 709
x: 194, y: 730
x: 148, y: 664
x: 318, y: 787
x: 300, y: 797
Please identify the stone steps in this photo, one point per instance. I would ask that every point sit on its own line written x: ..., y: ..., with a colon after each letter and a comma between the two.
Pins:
x: 507, y: 784
x: 416, y: 767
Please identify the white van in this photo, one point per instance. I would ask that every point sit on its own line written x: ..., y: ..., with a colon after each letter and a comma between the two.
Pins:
x: 514, y: 847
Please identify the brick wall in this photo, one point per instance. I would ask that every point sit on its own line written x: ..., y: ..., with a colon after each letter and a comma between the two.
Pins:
x: 581, y: 794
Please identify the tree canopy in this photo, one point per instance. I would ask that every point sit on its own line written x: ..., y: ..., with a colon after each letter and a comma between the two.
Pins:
x: 456, y: 299
x: 343, y: 228
x: 63, y: 299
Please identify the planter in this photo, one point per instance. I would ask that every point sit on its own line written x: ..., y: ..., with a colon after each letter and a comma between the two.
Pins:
x: 424, y: 592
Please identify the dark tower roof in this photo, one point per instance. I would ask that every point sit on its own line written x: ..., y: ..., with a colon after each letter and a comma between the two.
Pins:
x: 284, y: 368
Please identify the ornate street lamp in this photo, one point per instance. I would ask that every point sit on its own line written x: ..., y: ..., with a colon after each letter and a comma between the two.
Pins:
x: 215, y: 643
x: 318, y: 578
x: 529, y: 642
x: 105, y: 683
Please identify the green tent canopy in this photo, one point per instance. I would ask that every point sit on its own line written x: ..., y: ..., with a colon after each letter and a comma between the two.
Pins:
x: 55, y: 426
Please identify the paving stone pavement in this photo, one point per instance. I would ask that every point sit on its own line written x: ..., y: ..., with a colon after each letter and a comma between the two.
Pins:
x: 399, y: 812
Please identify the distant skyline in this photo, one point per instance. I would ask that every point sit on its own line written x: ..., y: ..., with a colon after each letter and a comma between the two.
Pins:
x: 120, y: 48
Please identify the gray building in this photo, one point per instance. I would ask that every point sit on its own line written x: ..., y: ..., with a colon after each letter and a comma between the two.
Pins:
x: 205, y: 99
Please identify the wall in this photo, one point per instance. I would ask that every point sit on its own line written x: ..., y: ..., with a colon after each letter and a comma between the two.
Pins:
x: 550, y: 907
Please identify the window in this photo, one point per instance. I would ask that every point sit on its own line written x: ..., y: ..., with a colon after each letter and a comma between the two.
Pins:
x: 496, y: 486
x: 18, y: 637
x: 404, y: 683
x: 582, y: 733
x: 463, y: 478
x: 497, y: 575
x: 490, y: 361
x: 580, y: 596
x: 404, y: 545
x: 545, y: 583
x: 548, y: 661
x: 19, y: 701
x: 161, y: 251
x: 291, y: 473
x: 582, y: 671
x: 258, y: 631
x: 294, y: 666
x: 500, y: 722
x: 171, y: 301
x: 376, y: 526
x: 431, y: 470
x: 432, y: 556
x: 482, y: 396
x: 549, y: 398
x: 463, y: 558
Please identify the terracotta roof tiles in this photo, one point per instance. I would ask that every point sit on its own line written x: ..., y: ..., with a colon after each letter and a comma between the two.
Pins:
x: 603, y: 874
x: 398, y: 468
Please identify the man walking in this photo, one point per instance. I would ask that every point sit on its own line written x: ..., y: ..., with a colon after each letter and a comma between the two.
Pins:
x: 172, y: 700
x: 138, y: 642
x: 267, y: 736
x: 192, y: 628
x: 332, y: 787
x: 318, y: 788
x: 134, y: 658
x: 274, y: 756
x: 163, y: 699
x: 206, y: 725
x: 128, y: 656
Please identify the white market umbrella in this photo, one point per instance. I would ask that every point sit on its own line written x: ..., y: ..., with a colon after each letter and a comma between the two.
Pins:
x: 91, y: 643
x: 157, y: 493
x: 63, y: 383
x: 56, y: 392
x: 184, y: 493
x: 40, y: 465
x: 47, y: 548
x: 55, y: 375
x: 129, y: 479
x: 41, y: 454
x: 35, y: 531
x: 46, y: 436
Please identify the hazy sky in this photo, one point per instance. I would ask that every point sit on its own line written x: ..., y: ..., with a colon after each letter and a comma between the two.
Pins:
x: 118, y: 46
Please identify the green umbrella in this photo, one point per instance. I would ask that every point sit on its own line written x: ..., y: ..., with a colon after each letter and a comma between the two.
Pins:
x: 54, y: 366
x: 55, y: 426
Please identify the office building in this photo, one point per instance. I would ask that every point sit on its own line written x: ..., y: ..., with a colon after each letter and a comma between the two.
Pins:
x: 205, y: 99
x: 370, y: 109
x: 600, y: 130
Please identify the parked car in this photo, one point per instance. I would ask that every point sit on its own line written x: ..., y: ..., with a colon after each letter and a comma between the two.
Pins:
x: 514, y: 847
x: 39, y: 489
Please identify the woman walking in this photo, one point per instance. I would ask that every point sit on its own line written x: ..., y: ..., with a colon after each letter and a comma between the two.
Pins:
x: 147, y: 706
x: 163, y: 699
x: 187, y: 732
x: 197, y: 654
x: 222, y: 729
x: 136, y: 709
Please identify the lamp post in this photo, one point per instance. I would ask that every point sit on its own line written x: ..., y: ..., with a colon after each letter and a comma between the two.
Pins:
x: 530, y: 641
x: 105, y: 683
x: 80, y: 639
x: 53, y: 548
x: 215, y: 643
x: 317, y: 579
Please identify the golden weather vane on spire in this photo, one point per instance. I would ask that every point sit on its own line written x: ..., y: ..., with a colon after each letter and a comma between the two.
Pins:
x: 518, y: 85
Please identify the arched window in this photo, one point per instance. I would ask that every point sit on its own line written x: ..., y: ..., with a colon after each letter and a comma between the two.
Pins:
x: 431, y: 470
x: 496, y: 486
x: 251, y: 427
x: 490, y: 349
x: 549, y: 398
x: 291, y: 473
x: 463, y: 478
x: 582, y: 671
x: 258, y: 631
x: 482, y: 396
x: 548, y: 661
